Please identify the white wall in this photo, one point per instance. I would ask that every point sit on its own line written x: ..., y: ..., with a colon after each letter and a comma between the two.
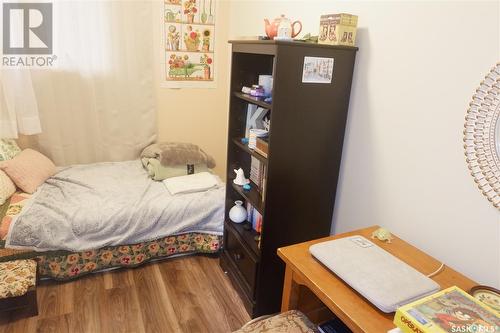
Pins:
x: 403, y: 164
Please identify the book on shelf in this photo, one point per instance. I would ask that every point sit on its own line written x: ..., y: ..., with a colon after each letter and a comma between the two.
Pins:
x: 449, y: 310
x: 249, y: 211
x: 257, y: 221
x: 263, y: 184
x: 262, y: 146
x: 258, y: 175
x: 256, y: 171
x: 254, y: 217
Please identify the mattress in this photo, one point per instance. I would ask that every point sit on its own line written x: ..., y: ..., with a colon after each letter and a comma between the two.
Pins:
x: 63, y: 264
x: 109, y: 204
x: 66, y: 265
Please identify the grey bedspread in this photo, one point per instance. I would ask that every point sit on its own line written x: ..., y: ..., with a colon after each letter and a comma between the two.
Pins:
x: 92, y: 206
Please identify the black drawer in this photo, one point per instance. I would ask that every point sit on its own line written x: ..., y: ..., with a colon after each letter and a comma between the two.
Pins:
x: 243, y: 260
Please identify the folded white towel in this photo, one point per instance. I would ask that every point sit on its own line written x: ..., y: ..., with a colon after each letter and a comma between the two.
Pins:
x: 197, y: 182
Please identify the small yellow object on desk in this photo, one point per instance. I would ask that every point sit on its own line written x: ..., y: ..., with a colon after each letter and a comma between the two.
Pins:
x: 383, y: 235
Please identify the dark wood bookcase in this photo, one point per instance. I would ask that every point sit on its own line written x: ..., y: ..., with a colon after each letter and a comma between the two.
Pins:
x: 305, y: 149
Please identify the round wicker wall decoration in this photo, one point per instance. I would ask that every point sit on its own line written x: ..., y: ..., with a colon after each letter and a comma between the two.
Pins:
x: 482, y: 136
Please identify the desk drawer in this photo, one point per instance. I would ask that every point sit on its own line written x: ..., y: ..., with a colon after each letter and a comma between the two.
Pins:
x: 242, y: 259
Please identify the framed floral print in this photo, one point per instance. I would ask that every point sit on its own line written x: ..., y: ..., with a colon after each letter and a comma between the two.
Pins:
x: 188, y: 43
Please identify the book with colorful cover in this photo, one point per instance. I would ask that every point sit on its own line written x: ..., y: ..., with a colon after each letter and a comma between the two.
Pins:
x: 450, y: 310
x: 256, y: 221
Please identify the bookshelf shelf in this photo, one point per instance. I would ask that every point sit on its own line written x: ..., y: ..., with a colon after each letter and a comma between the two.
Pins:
x: 298, y: 178
x: 248, y: 236
x: 244, y: 147
x: 253, y: 196
x: 253, y: 100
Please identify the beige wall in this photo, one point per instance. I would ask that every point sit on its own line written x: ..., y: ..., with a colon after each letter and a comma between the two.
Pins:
x: 403, y: 164
x: 199, y: 115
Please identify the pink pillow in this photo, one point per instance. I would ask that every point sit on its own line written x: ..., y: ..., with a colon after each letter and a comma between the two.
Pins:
x: 28, y: 170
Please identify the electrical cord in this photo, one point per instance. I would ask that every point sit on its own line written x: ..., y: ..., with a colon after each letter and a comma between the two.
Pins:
x: 436, y: 272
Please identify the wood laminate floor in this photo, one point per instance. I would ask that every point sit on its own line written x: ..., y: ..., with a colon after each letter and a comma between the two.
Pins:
x: 186, y: 294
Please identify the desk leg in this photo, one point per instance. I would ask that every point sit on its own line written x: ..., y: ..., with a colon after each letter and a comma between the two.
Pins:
x: 290, y: 291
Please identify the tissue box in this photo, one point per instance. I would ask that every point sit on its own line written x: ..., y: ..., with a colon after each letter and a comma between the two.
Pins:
x: 338, y: 29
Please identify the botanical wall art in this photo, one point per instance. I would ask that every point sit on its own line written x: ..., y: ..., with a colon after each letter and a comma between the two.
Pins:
x: 189, y: 38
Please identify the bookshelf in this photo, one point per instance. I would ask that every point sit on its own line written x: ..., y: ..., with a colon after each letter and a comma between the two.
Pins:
x: 305, y: 148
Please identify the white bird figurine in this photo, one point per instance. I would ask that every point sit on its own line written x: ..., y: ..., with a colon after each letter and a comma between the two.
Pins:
x: 240, y: 177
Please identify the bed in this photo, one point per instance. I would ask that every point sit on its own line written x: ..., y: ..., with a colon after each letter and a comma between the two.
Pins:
x: 95, y: 217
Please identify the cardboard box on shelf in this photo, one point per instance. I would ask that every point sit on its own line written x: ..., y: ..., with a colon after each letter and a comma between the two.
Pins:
x: 338, y: 29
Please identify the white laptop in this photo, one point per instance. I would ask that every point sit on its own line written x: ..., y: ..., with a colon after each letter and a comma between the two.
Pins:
x: 384, y: 280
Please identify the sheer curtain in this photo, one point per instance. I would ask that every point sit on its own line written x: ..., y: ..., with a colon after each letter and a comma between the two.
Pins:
x: 97, y: 103
x: 18, y: 106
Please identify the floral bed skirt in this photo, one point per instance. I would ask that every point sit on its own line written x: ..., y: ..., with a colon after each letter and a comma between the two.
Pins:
x: 63, y: 265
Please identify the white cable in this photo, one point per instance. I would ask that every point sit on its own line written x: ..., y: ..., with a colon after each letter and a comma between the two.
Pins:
x: 436, y: 271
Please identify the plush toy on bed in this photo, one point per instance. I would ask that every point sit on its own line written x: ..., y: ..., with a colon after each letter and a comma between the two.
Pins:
x: 172, y: 159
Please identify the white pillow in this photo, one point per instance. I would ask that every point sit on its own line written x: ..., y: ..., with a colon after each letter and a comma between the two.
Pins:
x: 7, y: 187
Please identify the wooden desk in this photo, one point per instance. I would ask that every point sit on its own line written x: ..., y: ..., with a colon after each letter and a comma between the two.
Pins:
x: 355, y: 311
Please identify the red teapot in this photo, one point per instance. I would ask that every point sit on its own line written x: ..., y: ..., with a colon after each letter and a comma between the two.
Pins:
x: 282, y: 27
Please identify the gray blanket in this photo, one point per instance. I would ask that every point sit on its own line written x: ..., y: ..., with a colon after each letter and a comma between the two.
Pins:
x: 92, y: 206
x: 178, y: 153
